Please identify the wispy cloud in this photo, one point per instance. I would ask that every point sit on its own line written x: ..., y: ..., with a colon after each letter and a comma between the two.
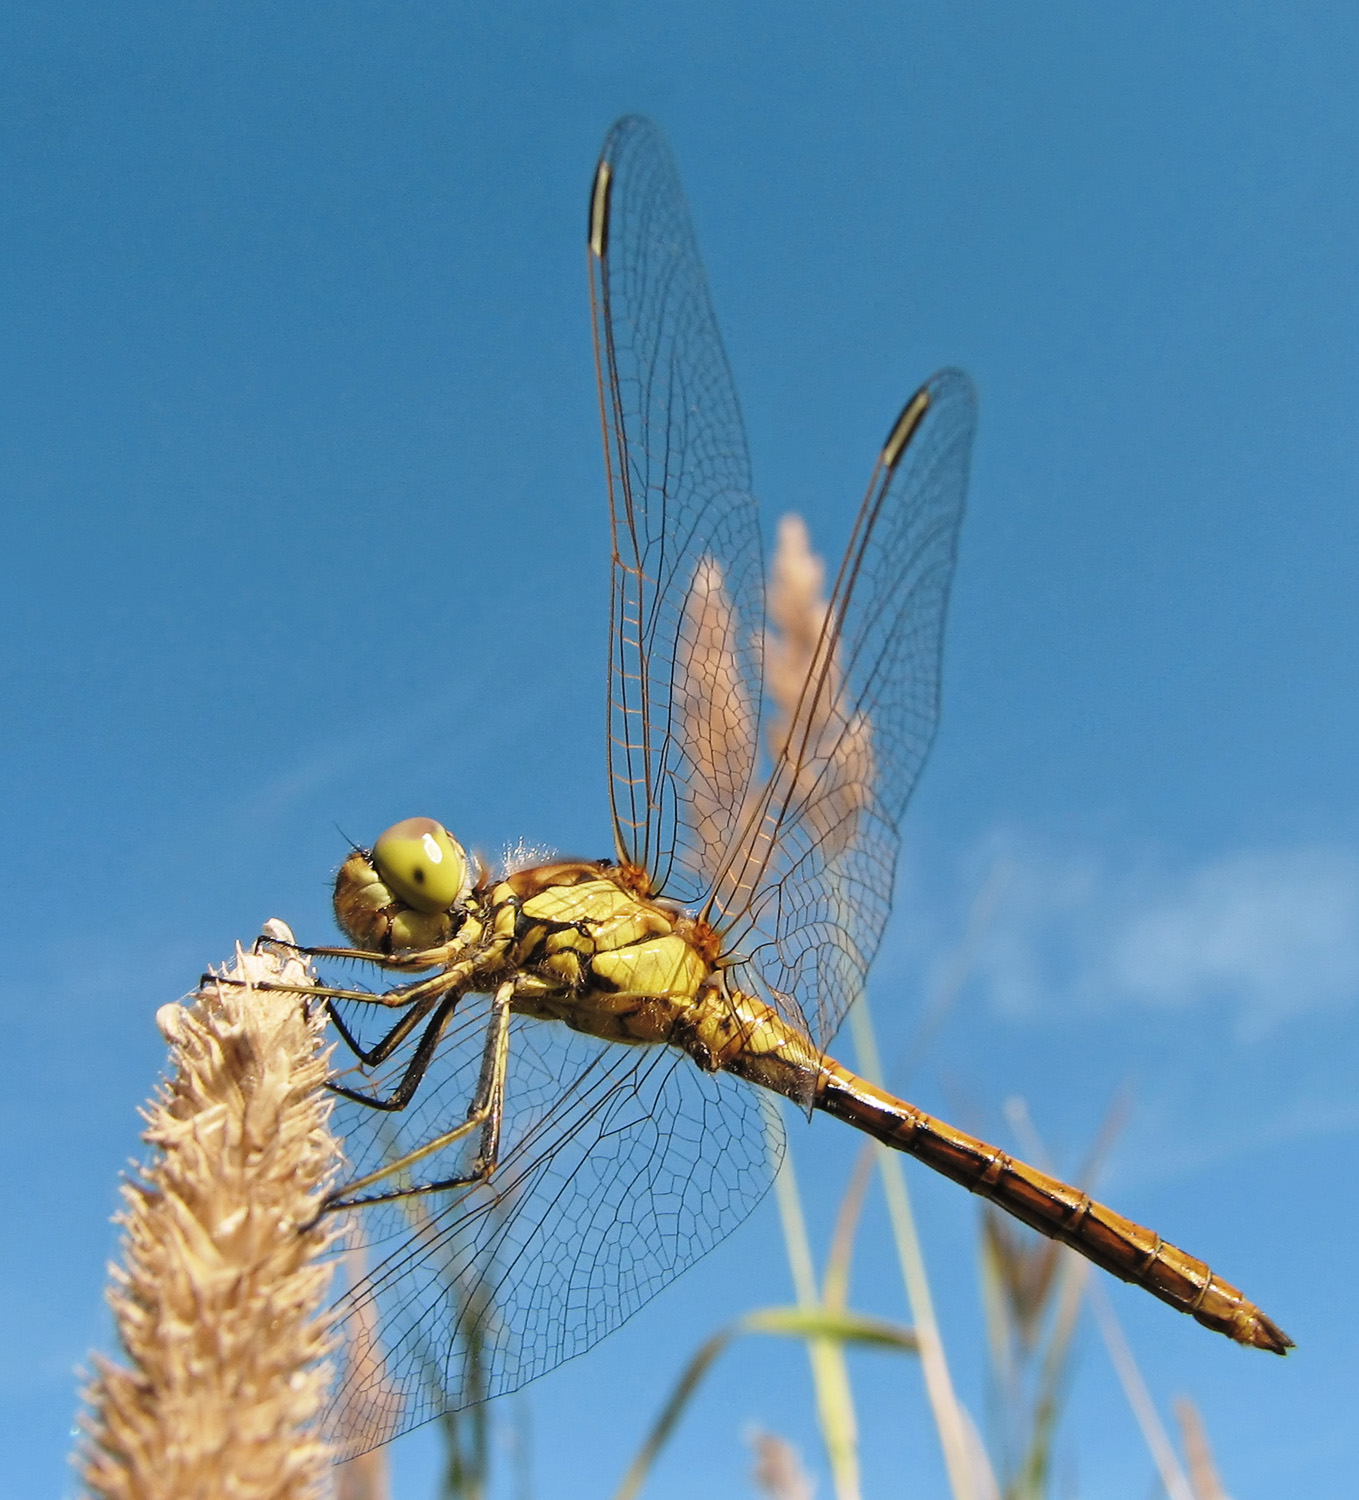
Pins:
x: 1266, y: 934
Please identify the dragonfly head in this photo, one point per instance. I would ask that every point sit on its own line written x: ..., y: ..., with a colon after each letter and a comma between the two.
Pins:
x: 408, y: 893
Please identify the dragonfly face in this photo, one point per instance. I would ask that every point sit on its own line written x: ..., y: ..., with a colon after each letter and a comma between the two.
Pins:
x: 408, y: 893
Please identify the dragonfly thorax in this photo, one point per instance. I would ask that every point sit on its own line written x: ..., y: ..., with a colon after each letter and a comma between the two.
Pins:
x: 583, y: 927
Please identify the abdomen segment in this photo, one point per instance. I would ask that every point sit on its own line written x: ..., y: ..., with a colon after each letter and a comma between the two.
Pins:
x: 1052, y: 1207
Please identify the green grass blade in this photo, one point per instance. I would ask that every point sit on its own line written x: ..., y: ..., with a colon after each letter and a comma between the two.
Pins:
x: 948, y: 1417
x: 688, y: 1383
x: 830, y: 1374
x: 820, y: 1326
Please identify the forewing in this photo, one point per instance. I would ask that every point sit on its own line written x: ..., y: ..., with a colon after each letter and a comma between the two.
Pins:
x: 688, y: 589
x: 618, y: 1168
x: 805, y: 894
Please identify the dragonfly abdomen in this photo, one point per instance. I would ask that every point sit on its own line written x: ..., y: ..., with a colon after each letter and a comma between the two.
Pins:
x: 1054, y: 1208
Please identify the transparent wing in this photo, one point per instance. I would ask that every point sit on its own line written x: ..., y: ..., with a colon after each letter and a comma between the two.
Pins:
x: 688, y: 587
x: 804, y: 894
x: 618, y: 1168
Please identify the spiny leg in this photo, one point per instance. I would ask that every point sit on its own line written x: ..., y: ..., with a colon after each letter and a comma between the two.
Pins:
x: 383, y: 1049
x: 485, y: 1113
x: 414, y: 1071
x: 417, y: 959
x: 403, y: 995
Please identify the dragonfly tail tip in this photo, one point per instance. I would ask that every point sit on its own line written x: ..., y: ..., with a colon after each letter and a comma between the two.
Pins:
x: 1261, y: 1332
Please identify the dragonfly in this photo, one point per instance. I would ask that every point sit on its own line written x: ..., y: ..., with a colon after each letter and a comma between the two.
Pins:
x: 555, y: 1108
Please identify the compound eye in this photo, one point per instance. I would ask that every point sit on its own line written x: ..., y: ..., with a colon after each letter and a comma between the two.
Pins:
x: 422, y: 864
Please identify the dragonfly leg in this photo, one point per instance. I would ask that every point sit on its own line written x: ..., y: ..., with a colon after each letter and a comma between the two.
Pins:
x: 422, y: 959
x: 415, y: 1070
x: 403, y: 995
x: 417, y: 994
x: 484, y: 1114
x: 391, y: 1040
x: 406, y: 994
x: 416, y: 959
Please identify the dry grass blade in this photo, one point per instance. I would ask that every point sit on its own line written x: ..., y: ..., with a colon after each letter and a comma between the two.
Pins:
x: 1023, y: 1274
x: 1139, y: 1398
x: 1026, y: 1265
x: 363, y: 1478
x: 718, y: 717
x: 778, y: 1470
x: 835, y: 1282
x: 1030, y: 1480
x: 219, y: 1300
x: 795, y: 603
x: 1197, y: 1453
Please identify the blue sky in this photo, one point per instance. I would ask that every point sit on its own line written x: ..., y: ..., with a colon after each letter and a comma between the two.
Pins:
x: 305, y: 527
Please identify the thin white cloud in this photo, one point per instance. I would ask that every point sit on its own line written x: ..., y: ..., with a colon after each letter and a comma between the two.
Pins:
x: 1268, y: 934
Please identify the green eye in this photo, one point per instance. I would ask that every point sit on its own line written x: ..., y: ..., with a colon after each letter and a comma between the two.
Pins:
x: 422, y: 864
